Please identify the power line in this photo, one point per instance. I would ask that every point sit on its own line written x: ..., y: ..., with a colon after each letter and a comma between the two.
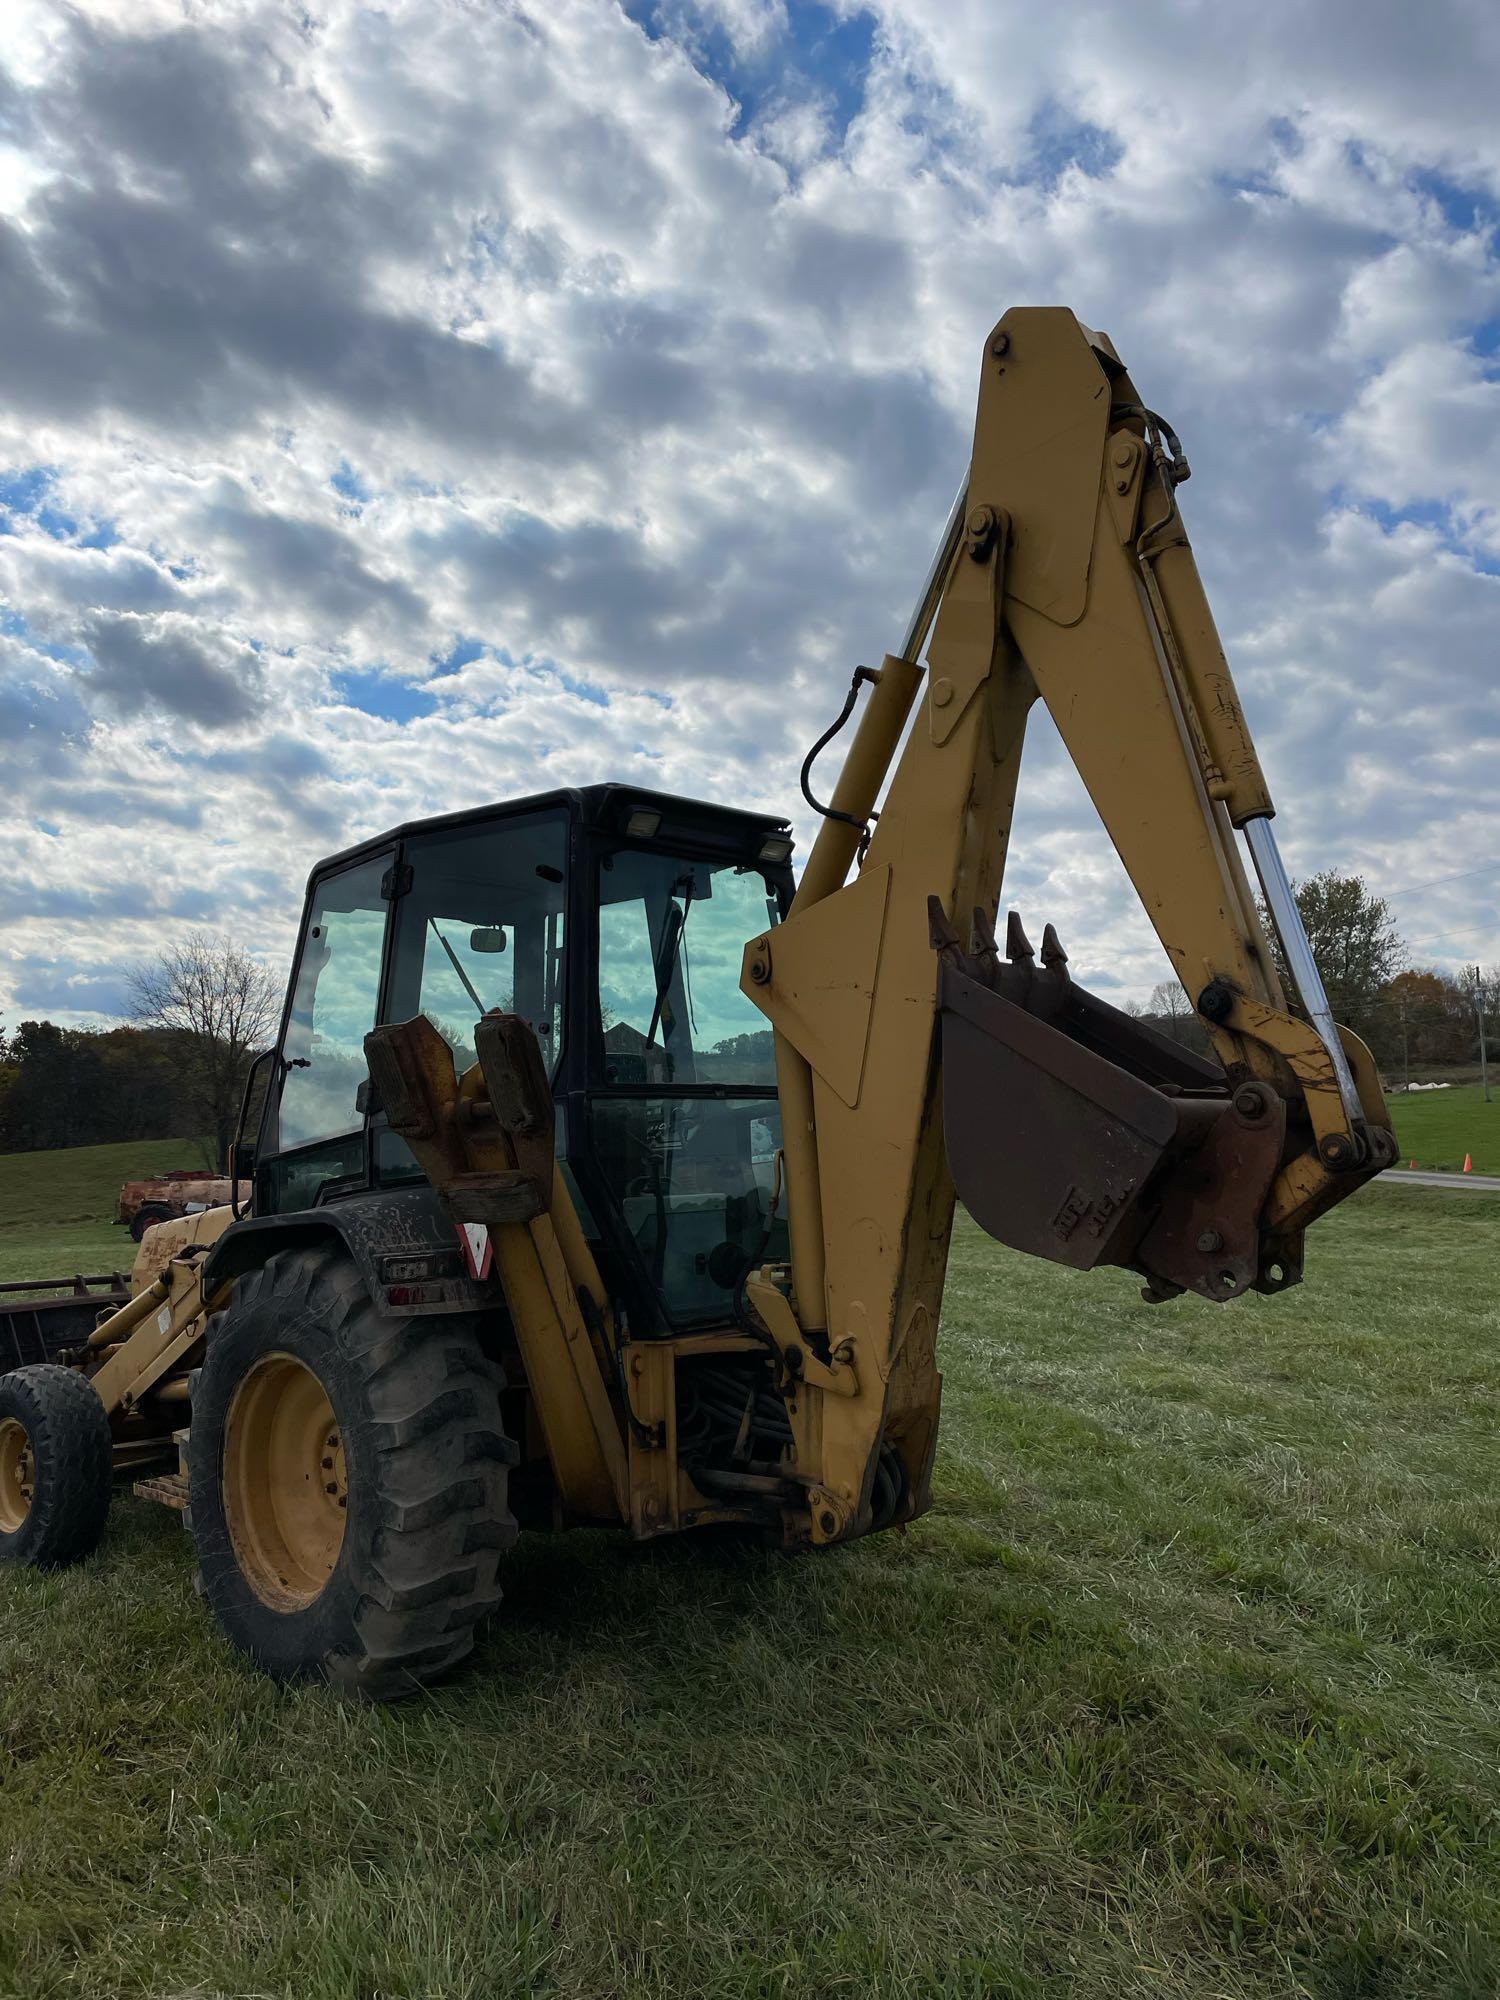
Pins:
x: 1440, y: 1020
x: 1460, y: 875
x: 1438, y: 937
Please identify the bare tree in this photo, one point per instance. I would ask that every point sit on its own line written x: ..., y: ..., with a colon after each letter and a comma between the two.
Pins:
x: 1172, y: 1012
x: 1170, y: 1002
x: 222, y: 1002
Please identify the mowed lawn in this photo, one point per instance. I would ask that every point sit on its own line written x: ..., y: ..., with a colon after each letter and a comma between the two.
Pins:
x: 1187, y: 1687
x: 1437, y: 1128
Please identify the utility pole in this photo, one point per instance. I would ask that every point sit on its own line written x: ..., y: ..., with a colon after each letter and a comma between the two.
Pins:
x: 1484, y: 1066
x: 1405, y: 1051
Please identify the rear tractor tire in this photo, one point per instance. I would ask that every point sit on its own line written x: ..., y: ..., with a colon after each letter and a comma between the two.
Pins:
x: 148, y: 1215
x: 56, y: 1467
x: 348, y: 1480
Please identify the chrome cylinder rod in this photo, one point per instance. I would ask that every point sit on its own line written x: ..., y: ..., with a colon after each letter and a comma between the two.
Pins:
x: 1277, y: 890
x: 920, y: 623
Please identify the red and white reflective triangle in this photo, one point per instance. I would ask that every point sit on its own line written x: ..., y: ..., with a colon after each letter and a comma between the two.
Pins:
x: 479, y: 1251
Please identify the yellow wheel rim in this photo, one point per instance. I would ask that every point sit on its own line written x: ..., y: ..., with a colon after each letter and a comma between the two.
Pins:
x: 286, y: 1490
x: 17, y: 1478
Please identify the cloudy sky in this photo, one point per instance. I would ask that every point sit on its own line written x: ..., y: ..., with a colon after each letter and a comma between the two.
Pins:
x: 402, y: 407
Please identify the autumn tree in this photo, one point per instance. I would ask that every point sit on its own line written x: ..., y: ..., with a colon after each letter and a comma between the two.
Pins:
x: 222, y: 1002
x: 1354, y: 942
x: 1427, y: 1018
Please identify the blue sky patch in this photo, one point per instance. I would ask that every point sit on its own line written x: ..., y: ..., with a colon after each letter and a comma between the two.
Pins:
x: 836, y: 56
x: 460, y: 655
x: 15, y: 625
x: 1464, y: 208
x: 822, y: 55
x: 584, y: 690
x: 1060, y: 141
x: 346, y: 481
x: 383, y: 695
x: 1434, y: 514
x: 23, y: 492
x: 23, y: 495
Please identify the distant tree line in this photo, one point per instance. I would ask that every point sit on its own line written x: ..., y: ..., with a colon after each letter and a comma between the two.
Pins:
x: 202, y: 1008
x: 1424, y: 1019
x: 87, y: 1086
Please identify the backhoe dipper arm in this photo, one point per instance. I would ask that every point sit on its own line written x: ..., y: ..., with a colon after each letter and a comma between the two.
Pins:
x: 1072, y: 1131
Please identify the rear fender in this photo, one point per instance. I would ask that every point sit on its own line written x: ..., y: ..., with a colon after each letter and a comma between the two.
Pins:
x: 404, y: 1247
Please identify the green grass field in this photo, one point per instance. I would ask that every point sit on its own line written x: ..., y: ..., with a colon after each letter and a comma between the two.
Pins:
x: 1437, y: 1127
x: 57, y: 1209
x: 1188, y: 1687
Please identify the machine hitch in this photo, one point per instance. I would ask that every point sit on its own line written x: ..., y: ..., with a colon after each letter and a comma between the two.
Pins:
x: 1078, y: 1134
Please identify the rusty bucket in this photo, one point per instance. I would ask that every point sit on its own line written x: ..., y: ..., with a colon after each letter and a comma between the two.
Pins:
x: 1081, y: 1135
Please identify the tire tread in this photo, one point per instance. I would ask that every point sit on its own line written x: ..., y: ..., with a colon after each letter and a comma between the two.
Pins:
x: 74, y: 1455
x: 442, y: 1517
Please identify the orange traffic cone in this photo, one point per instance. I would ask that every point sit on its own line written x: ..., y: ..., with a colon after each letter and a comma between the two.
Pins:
x: 1468, y: 1163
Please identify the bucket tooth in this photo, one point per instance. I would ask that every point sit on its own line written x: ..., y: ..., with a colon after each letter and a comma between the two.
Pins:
x: 984, y: 952
x: 1053, y: 954
x: 1017, y: 944
x: 940, y: 933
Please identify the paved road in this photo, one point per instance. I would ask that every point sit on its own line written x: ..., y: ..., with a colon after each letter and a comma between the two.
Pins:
x: 1469, y: 1183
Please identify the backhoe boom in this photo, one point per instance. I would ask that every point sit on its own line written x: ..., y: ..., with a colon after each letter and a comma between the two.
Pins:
x: 1075, y: 1133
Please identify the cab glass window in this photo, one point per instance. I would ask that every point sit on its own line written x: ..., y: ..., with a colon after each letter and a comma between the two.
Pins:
x: 672, y: 935
x: 480, y: 927
x: 334, y: 996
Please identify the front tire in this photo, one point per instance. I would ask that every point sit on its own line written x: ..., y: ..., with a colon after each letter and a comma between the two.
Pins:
x: 56, y: 1467
x: 348, y: 1480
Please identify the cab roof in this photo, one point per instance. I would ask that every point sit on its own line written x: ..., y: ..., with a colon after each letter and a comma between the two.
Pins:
x: 606, y: 807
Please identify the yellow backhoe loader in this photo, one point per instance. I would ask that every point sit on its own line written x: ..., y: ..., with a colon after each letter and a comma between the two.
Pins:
x: 604, y: 1175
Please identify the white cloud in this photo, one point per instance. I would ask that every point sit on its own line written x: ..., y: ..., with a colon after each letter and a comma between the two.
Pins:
x: 342, y: 338
x: 1425, y: 428
x: 751, y: 26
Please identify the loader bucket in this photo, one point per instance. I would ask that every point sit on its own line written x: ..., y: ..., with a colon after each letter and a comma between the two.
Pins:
x: 1077, y: 1134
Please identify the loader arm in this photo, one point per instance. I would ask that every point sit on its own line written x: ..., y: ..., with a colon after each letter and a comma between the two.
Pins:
x: 1072, y: 1131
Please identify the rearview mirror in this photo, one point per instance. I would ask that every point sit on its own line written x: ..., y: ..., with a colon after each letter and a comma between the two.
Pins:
x: 489, y: 937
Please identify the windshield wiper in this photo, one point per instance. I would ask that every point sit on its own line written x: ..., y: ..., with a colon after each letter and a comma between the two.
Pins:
x: 453, y: 961
x: 671, y: 947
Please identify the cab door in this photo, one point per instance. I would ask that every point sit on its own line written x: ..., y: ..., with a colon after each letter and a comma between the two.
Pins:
x: 313, y: 1142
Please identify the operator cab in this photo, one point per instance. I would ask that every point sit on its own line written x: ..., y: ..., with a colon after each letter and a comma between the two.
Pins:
x: 613, y: 920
